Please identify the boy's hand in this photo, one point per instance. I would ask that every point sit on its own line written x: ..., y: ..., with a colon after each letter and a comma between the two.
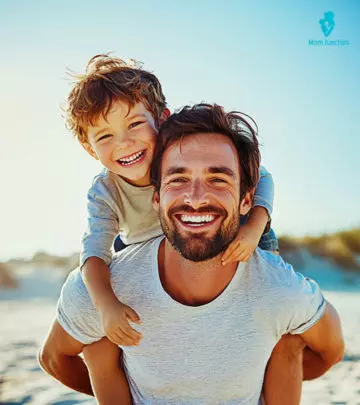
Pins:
x: 243, y: 246
x: 115, y: 317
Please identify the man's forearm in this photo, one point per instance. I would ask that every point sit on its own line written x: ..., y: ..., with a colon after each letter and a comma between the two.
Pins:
x: 107, y: 376
x: 313, y: 365
x: 60, y: 358
x: 69, y: 370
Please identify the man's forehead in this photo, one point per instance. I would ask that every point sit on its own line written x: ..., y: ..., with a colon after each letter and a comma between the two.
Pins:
x: 203, y: 146
x: 208, y: 152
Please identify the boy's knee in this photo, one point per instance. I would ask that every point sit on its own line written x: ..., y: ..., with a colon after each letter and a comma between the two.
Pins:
x: 291, y: 346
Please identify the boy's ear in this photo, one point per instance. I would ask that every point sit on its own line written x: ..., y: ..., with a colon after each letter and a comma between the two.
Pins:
x: 89, y: 150
x: 165, y: 115
x: 246, y: 203
x: 156, y: 201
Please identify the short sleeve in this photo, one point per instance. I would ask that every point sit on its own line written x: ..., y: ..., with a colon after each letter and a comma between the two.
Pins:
x: 294, y: 302
x: 76, y: 312
x: 103, y: 223
x: 311, y: 306
x: 264, y: 193
x: 301, y: 303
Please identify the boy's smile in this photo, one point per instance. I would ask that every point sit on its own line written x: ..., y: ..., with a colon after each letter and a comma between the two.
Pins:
x: 124, y: 141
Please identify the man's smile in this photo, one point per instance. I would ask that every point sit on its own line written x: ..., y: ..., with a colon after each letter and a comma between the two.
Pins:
x: 199, y: 221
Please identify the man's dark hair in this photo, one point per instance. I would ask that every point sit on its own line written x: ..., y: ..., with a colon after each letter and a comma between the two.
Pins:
x: 207, y: 118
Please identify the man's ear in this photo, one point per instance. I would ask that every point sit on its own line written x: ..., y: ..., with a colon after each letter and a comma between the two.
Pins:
x: 246, y: 203
x: 89, y: 150
x: 164, y: 115
x: 156, y: 201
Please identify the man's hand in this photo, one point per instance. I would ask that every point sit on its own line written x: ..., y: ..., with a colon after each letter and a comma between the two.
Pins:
x: 115, y: 317
x: 243, y: 246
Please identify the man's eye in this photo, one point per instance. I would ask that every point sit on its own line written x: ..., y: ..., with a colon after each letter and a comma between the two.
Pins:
x: 217, y: 180
x: 135, y: 124
x: 102, y: 137
x: 178, y: 180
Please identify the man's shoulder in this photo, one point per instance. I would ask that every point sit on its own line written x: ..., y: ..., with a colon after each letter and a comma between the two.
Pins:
x: 273, y: 271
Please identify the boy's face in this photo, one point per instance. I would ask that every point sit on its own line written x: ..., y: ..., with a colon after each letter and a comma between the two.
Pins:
x: 124, y: 142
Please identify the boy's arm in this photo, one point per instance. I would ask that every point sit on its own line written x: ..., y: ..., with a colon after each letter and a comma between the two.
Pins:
x: 107, y: 377
x: 325, y: 344
x: 264, y: 193
x: 257, y: 221
x: 114, y: 315
x: 104, y: 216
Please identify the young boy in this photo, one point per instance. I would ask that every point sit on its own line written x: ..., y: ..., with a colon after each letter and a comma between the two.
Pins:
x: 115, y: 111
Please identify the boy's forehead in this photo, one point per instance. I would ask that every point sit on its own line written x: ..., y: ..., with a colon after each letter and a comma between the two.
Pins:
x: 117, y: 111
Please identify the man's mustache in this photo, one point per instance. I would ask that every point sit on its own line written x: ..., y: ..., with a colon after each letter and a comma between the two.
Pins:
x: 209, y: 209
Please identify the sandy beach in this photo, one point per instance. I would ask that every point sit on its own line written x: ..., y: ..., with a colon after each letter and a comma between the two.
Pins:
x: 26, y: 314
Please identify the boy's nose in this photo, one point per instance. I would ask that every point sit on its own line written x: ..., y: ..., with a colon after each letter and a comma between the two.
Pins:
x: 123, y: 141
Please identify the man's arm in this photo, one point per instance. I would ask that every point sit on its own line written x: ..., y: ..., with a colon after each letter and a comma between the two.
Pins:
x: 107, y: 377
x: 60, y: 358
x: 325, y: 344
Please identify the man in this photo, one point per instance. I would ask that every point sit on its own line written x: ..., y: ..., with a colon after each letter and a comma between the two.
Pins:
x: 208, y: 329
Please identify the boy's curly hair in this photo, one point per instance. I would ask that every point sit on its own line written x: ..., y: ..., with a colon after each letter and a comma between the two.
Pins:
x: 108, y: 79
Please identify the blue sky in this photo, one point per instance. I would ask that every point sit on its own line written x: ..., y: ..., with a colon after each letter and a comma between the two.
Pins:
x: 250, y: 56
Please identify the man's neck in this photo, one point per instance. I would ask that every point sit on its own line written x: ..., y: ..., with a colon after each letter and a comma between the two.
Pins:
x: 192, y: 283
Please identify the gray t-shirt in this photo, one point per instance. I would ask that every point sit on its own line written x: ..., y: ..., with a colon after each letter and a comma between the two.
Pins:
x: 211, y: 354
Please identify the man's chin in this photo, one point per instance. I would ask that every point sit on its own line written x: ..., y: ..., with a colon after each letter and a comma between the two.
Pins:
x: 196, y: 250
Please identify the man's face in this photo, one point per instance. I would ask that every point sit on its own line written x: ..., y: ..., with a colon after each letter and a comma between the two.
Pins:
x: 199, y: 201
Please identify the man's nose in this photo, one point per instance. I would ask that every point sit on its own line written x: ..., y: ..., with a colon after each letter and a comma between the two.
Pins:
x: 197, y: 195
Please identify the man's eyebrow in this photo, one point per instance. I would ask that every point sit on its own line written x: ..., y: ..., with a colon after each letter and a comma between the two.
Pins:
x: 213, y: 170
x: 222, y: 170
x: 175, y: 170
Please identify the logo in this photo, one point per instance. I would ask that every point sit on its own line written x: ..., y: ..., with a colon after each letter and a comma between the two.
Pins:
x: 327, y: 25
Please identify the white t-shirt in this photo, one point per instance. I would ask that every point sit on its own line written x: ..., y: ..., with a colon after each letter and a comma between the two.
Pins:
x: 211, y: 354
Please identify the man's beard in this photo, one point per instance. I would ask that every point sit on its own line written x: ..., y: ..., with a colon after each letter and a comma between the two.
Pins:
x: 198, y: 247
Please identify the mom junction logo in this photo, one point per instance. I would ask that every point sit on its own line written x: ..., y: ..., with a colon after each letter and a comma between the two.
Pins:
x: 327, y: 25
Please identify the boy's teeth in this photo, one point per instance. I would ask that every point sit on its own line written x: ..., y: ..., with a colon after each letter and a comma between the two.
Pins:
x: 197, y: 219
x: 131, y: 158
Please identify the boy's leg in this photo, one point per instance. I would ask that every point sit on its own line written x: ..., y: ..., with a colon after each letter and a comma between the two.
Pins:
x: 119, y: 244
x: 269, y: 242
x: 107, y: 376
x: 59, y: 357
x: 284, y: 372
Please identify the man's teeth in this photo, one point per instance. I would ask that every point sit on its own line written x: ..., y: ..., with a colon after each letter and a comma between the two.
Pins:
x: 132, y: 158
x: 197, y: 219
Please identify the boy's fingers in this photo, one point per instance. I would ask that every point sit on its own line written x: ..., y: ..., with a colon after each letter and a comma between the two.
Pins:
x: 124, y: 339
x: 131, y: 332
x: 132, y: 315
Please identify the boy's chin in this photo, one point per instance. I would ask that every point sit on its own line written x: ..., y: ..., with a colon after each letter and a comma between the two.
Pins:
x: 137, y: 180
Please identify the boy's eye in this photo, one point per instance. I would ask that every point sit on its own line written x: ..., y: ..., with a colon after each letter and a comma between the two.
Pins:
x: 105, y: 136
x: 135, y: 124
